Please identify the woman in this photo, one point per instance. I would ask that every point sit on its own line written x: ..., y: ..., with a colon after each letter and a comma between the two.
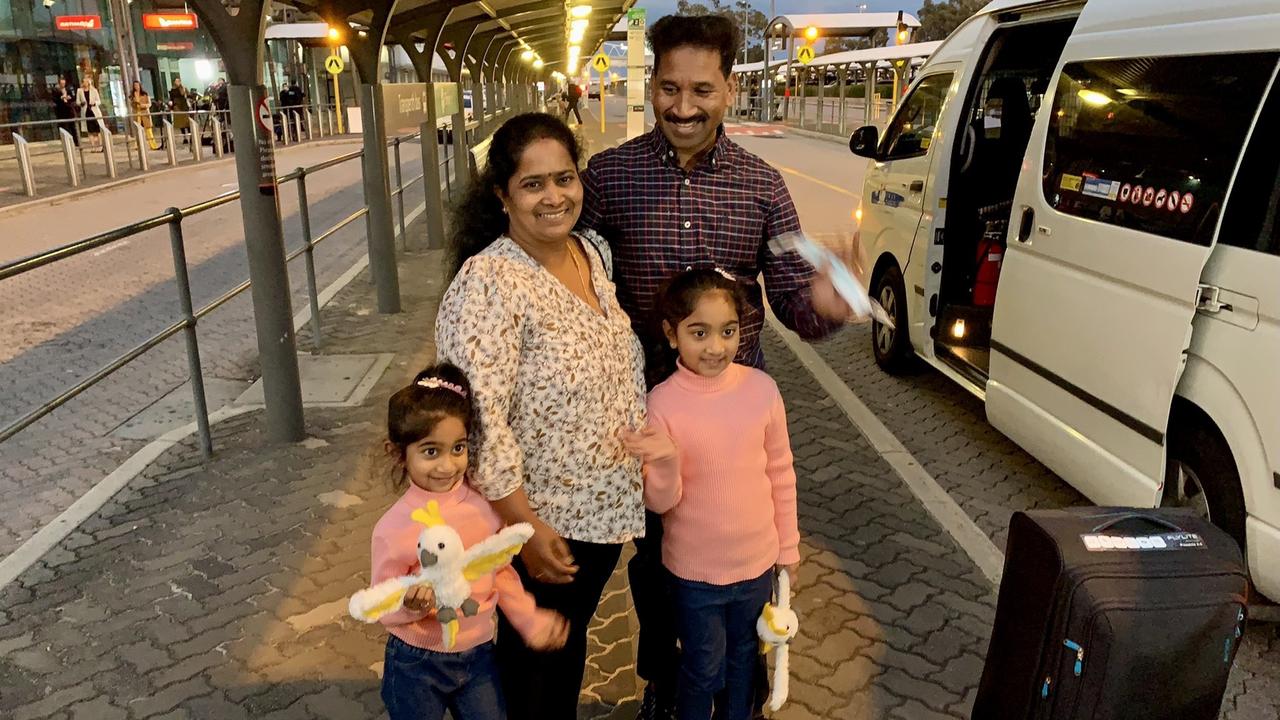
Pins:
x: 181, y: 108
x: 140, y: 101
x: 533, y: 319
x: 89, y: 100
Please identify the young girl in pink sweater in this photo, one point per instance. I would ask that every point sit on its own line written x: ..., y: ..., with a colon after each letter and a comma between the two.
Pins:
x: 428, y: 424
x: 718, y: 468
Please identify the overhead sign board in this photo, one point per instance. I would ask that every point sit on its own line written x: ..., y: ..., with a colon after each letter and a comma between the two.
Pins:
x: 404, y: 107
x: 446, y: 98
x: 78, y: 22
x: 169, y: 21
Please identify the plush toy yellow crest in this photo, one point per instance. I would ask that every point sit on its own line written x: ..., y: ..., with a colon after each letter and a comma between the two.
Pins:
x: 447, y: 568
x: 777, y: 625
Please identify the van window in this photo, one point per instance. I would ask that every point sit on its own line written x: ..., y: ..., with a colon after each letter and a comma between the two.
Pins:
x: 1150, y: 143
x: 911, y: 130
x: 1252, y: 220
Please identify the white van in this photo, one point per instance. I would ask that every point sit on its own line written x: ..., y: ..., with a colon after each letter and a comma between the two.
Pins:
x: 1073, y: 214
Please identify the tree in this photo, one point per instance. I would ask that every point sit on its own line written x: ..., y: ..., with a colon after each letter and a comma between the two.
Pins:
x: 938, y: 19
x: 879, y: 38
x: 756, y: 21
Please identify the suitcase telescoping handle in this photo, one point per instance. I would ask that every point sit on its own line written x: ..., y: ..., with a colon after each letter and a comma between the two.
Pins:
x: 1138, y: 516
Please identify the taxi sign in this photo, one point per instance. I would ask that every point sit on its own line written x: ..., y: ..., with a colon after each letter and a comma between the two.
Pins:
x: 600, y: 62
x: 805, y: 54
x: 334, y: 65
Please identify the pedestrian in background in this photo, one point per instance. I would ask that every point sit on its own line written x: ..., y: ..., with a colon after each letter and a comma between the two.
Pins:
x: 718, y: 468
x: 140, y: 103
x: 575, y: 96
x: 89, y: 100
x: 64, y: 108
x: 533, y: 319
x: 660, y: 199
x: 428, y: 425
x: 181, y: 108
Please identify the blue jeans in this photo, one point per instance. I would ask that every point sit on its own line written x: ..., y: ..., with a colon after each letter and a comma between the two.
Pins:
x: 421, y: 684
x: 718, y: 641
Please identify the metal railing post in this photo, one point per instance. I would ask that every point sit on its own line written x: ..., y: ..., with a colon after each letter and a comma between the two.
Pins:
x: 822, y: 90
x: 23, y: 154
x: 68, y: 156
x: 332, y: 130
x: 320, y: 122
x: 108, y: 150
x: 171, y: 143
x: 197, y: 138
x: 841, y: 123
x: 284, y: 127
x: 216, y: 125
x: 311, y: 133
x: 140, y: 137
x: 304, y: 214
x: 297, y: 126
x: 189, y: 330
x: 400, y: 196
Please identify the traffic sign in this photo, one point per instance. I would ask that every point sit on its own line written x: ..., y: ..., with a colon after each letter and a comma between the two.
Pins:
x: 805, y: 54
x: 600, y: 62
x: 264, y: 115
x: 334, y: 65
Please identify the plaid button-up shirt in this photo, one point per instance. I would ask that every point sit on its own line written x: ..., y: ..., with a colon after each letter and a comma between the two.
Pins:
x: 660, y: 219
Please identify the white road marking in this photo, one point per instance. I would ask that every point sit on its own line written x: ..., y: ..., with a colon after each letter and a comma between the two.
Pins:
x: 939, y: 504
x: 109, y: 248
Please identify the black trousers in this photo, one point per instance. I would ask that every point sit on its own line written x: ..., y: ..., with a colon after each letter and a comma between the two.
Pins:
x: 657, y: 652
x: 545, y: 686
x: 573, y: 108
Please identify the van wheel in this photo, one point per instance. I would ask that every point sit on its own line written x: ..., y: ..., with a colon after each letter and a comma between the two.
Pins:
x: 892, y: 346
x: 1202, y: 474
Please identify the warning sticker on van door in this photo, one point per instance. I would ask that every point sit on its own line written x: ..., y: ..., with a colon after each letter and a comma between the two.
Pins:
x: 1070, y: 182
x: 1099, y: 188
x: 1143, y: 543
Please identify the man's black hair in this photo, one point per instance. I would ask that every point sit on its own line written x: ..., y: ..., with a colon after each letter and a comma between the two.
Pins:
x: 707, y: 32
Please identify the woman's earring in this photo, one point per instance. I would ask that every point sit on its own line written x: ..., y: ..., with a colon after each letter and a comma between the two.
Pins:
x: 504, y: 209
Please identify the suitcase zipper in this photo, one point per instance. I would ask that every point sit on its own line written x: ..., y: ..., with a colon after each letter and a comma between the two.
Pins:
x: 1044, y: 689
x: 1079, y: 651
x: 1226, y: 646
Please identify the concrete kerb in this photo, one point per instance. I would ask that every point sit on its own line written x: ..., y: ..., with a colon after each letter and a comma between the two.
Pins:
x: 48, y: 537
x: 73, y: 194
x: 840, y: 139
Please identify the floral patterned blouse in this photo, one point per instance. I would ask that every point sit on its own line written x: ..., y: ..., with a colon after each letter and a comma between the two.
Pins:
x: 554, y: 381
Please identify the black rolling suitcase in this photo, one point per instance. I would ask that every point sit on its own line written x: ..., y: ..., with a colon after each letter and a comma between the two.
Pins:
x: 1113, y: 614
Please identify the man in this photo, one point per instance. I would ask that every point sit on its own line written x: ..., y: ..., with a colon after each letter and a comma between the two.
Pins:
x: 575, y: 95
x: 64, y: 108
x: 685, y: 195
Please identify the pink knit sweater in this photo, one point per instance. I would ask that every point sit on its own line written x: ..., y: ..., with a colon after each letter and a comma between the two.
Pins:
x: 728, y: 499
x: 395, y: 553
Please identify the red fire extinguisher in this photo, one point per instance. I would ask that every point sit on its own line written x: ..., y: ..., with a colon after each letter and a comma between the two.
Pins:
x: 990, y: 255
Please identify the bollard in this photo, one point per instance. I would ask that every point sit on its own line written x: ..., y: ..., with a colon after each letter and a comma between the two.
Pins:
x: 304, y: 215
x: 216, y: 124
x: 171, y: 143
x: 284, y: 127
x: 140, y: 136
x: 68, y: 156
x: 297, y: 126
x: 311, y: 134
x: 400, y: 197
x: 320, y: 123
x: 108, y: 150
x: 189, y: 330
x: 197, y: 139
x: 822, y: 87
x: 23, y: 153
x: 332, y: 131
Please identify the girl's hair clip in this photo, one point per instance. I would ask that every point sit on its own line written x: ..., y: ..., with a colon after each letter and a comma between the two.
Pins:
x: 720, y: 271
x: 434, y: 383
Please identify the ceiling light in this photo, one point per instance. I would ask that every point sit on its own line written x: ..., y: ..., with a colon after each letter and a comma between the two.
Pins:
x: 1130, y: 92
x: 579, y: 24
x: 333, y: 33
x: 580, y: 11
x: 576, y: 35
x: 1094, y: 98
x: 363, y: 34
x: 527, y: 55
x: 537, y: 64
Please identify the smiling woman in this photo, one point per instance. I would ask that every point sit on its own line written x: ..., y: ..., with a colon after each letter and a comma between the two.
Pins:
x: 533, y: 319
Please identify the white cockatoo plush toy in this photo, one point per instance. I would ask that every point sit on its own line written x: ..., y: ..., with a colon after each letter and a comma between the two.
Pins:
x: 447, y: 568
x: 777, y: 625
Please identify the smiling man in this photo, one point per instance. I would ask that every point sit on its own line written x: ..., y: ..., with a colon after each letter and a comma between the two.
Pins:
x: 684, y: 195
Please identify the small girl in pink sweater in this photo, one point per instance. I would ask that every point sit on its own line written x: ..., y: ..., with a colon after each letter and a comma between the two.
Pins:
x: 718, y: 468
x: 428, y: 424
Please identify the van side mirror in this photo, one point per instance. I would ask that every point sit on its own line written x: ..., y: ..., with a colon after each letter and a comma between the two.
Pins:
x: 864, y: 141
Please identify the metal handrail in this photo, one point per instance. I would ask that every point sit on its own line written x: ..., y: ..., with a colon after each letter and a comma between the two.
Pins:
x: 173, y: 218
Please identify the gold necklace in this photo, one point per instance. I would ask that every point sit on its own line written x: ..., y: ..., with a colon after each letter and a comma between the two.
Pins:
x: 573, y: 255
